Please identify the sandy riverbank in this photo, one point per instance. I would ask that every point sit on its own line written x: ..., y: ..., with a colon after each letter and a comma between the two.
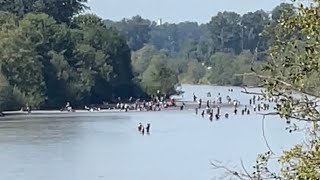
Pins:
x: 188, y: 106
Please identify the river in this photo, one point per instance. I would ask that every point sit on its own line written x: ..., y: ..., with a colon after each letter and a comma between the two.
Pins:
x: 107, y: 146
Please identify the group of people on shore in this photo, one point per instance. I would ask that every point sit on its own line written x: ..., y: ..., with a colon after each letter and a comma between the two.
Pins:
x: 157, y: 103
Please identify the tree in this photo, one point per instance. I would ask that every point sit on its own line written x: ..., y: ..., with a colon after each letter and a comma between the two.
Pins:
x: 226, y: 31
x: 159, y: 76
x: 154, y: 70
x: 222, y: 69
x: 53, y: 46
x: 46, y: 63
x: 61, y: 10
x: 22, y: 66
x: 142, y: 58
x: 7, y: 20
x: 110, y: 56
x: 165, y: 37
x: 286, y: 9
x: 294, y: 63
x: 253, y: 24
x: 195, y: 72
x: 135, y: 30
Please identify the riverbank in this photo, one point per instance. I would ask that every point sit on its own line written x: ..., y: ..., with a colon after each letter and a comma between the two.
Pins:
x: 188, y: 105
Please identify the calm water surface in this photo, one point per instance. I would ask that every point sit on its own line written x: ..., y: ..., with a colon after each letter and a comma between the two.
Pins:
x: 107, y: 146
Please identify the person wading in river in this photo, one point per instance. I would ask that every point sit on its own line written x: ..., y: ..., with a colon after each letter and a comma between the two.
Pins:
x: 148, y: 128
x: 226, y: 115
x: 199, y: 103
x: 139, y: 127
x: 202, y: 114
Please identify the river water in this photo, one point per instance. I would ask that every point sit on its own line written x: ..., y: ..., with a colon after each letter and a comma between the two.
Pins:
x: 107, y: 146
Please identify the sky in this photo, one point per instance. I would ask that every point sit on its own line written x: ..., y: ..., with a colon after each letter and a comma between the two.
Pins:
x: 174, y: 11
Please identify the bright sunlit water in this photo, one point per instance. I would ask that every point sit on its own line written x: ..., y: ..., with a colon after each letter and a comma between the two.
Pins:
x: 107, y: 146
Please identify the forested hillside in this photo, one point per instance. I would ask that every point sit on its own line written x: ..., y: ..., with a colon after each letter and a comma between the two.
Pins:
x: 209, y: 53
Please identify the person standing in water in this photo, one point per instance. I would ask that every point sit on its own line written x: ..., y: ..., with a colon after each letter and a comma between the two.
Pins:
x: 210, y: 116
x: 226, y: 115
x: 200, y: 103
x: 139, y: 127
x: 148, y: 128
x: 194, y: 98
x: 235, y: 111
x: 202, y: 114
x: 28, y: 108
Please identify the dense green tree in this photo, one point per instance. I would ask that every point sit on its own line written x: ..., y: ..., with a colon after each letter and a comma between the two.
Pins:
x: 49, y: 39
x: 60, y: 10
x: 253, y: 24
x: 154, y: 70
x: 110, y: 56
x: 195, y: 72
x: 165, y: 37
x: 159, y: 76
x: 286, y: 9
x: 48, y: 63
x: 142, y: 58
x: 135, y: 30
x: 226, y: 32
x: 7, y: 20
x: 225, y: 67
x: 22, y: 66
x: 192, y: 46
x: 222, y: 69
x: 174, y: 36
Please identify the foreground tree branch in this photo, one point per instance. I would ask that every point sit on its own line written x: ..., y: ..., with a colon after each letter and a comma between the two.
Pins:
x: 292, y: 75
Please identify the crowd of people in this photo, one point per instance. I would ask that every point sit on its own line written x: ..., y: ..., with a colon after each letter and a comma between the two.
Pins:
x: 212, y: 107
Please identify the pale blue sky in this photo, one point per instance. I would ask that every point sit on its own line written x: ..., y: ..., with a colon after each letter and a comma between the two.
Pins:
x: 176, y: 10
